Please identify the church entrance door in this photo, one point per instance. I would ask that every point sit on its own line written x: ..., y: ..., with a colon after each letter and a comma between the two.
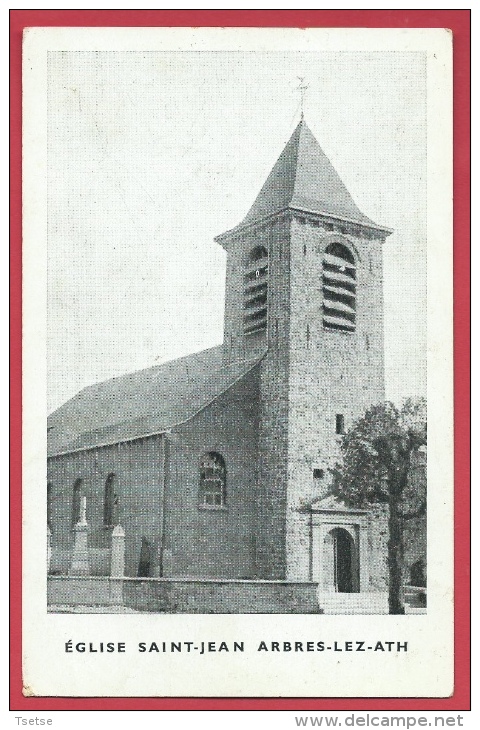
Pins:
x: 340, y: 557
x: 342, y: 561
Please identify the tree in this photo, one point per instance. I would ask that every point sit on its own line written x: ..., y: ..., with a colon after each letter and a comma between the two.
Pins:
x: 376, y: 469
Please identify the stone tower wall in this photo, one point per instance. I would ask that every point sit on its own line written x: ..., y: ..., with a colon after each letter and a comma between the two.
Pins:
x: 329, y: 372
x: 274, y: 369
x: 307, y: 376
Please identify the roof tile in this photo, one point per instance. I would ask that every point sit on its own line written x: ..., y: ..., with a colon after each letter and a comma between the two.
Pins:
x: 142, y: 403
x: 303, y: 177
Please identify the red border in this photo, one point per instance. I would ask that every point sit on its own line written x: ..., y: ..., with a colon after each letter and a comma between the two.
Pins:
x: 459, y: 22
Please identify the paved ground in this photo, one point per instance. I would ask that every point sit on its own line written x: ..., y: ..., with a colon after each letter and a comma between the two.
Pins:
x: 126, y: 609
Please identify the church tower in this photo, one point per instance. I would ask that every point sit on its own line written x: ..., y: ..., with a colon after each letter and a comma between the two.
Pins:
x: 305, y: 290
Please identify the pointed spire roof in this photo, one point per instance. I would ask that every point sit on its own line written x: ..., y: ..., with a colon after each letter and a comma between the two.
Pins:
x: 303, y: 178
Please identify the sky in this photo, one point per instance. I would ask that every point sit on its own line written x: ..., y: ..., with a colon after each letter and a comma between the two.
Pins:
x: 152, y: 154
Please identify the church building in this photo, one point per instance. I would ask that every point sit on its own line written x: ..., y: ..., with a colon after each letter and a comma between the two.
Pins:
x: 217, y: 464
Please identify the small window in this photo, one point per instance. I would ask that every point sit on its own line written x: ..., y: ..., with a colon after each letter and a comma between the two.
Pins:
x: 339, y: 424
x: 77, y: 501
x: 49, y: 504
x: 318, y: 473
x: 212, y: 480
x: 256, y: 291
x: 109, y: 501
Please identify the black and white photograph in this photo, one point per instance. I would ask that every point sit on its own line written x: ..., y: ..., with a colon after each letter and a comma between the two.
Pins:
x: 237, y: 245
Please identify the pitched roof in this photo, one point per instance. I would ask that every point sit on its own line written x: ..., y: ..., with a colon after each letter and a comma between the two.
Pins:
x: 304, y: 178
x: 142, y: 403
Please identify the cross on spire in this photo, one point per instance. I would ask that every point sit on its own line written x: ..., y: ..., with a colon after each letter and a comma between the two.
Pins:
x: 302, y: 88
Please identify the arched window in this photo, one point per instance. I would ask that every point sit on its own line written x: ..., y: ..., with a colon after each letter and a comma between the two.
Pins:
x: 77, y: 501
x: 256, y: 291
x: 212, y: 480
x: 109, y: 501
x: 339, y: 288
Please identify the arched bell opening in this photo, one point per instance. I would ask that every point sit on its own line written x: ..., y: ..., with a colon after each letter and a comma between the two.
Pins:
x: 255, y: 291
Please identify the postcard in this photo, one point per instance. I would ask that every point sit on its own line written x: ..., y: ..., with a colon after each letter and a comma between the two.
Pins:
x: 238, y: 303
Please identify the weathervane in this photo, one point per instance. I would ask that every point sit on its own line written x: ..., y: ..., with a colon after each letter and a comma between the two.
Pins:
x: 302, y: 88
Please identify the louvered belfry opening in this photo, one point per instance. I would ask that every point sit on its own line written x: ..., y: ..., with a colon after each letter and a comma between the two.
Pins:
x: 339, y: 288
x: 256, y: 291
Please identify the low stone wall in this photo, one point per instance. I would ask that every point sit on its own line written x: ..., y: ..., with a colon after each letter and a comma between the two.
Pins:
x: 99, y: 561
x: 165, y: 595
x: 220, y: 596
x: 63, y: 590
x: 416, y: 597
x: 60, y: 561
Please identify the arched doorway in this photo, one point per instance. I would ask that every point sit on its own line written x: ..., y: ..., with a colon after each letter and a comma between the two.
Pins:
x: 341, y: 561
